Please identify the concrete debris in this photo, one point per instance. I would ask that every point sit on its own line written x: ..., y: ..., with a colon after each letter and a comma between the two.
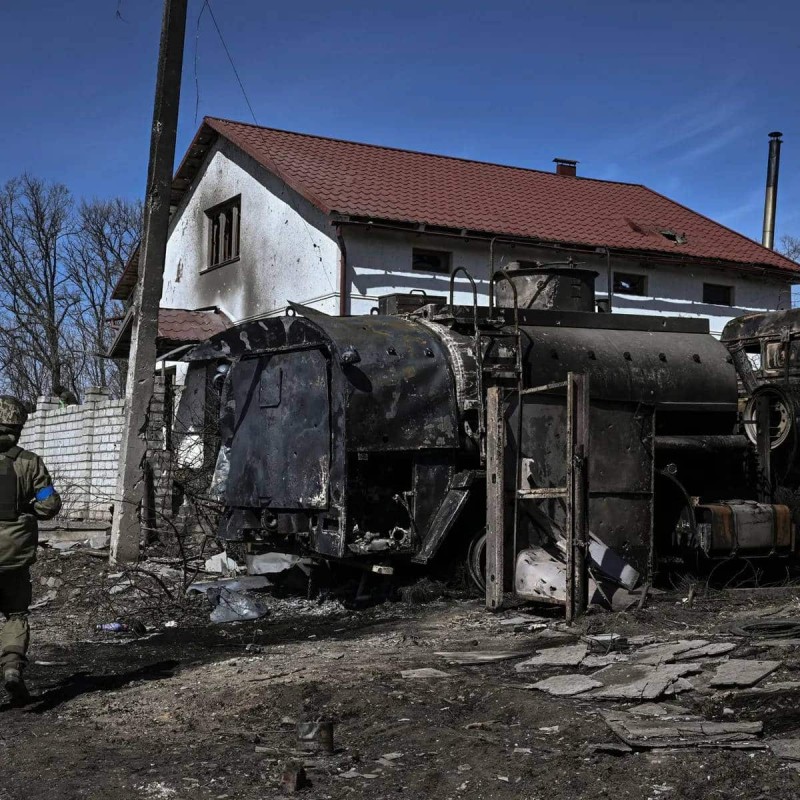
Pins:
x: 481, y: 656
x: 707, y: 651
x: 566, y: 656
x: 44, y: 599
x: 566, y: 685
x: 692, y: 732
x: 243, y: 583
x: 272, y: 563
x: 294, y: 778
x: 424, y: 672
x: 609, y: 748
x: 221, y: 563
x: 659, y: 710
x: 595, y: 662
x: 773, y: 688
x: 665, y: 652
x: 742, y: 672
x: 639, y: 681
x: 605, y: 643
x: 786, y: 749
x: 678, y: 687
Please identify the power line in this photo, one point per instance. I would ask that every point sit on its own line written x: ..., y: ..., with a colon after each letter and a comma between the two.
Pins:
x: 207, y: 4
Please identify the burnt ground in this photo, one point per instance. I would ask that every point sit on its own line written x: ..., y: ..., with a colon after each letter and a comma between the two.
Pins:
x: 208, y: 711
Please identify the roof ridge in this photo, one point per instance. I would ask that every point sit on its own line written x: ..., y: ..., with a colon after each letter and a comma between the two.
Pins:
x: 417, y: 152
x: 720, y: 225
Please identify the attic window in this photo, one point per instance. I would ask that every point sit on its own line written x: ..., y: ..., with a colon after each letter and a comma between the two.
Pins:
x: 716, y: 294
x: 431, y: 260
x: 628, y: 283
x: 678, y: 238
x: 224, y: 222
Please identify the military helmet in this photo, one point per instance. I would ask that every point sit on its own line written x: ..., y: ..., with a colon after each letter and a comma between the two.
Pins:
x: 12, y: 411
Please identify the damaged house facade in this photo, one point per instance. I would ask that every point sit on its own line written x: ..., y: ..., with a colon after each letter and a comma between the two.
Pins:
x: 263, y: 217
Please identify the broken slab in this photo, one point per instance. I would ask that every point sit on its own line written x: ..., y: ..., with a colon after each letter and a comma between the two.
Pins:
x: 481, y: 656
x: 567, y: 656
x: 742, y: 672
x: 787, y: 749
x: 424, y: 672
x: 688, y: 732
x: 639, y: 681
x: 707, y: 651
x: 665, y: 652
x: 566, y: 685
x: 595, y: 662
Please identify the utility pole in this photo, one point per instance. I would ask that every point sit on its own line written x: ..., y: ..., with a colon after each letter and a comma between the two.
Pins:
x: 126, y: 527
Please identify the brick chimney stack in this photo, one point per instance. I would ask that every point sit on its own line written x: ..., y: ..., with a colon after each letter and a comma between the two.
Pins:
x: 565, y: 166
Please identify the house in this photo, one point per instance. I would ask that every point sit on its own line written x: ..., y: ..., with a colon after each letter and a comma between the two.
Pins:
x: 262, y: 217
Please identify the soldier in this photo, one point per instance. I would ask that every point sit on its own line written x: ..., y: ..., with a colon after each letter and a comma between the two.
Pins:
x: 26, y: 495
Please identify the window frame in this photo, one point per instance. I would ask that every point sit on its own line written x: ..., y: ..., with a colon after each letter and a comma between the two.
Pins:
x: 214, y: 216
x: 638, y: 275
x: 728, y: 287
x: 446, y: 254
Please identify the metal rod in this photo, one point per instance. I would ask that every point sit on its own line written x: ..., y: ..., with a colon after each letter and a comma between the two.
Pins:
x: 570, y: 505
x: 771, y: 193
x: 581, y: 496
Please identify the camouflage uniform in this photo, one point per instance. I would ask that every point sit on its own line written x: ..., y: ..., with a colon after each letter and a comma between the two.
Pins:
x: 26, y: 496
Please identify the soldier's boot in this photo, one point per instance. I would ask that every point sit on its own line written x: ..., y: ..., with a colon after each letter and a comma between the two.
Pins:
x: 15, y: 684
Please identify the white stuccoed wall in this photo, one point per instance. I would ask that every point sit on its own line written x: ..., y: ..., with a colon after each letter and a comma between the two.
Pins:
x: 288, y: 247
x: 289, y: 251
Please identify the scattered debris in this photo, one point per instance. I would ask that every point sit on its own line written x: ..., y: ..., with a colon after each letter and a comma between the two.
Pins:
x: 221, y: 563
x: 294, y: 778
x: 742, y: 672
x: 235, y: 606
x: 787, y: 749
x: 424, y: 590
x: 424, y: 672
x: 773, y: 628
x: 272, y: 563
x: 315, y: 737
x: 609, y: 748
x: 605, y: 643
x: 665, y: 652
x: 242, y: 583
x: 565, y: 656
x: 566, y: 685
x: 639, y: 681
x: 688, y: 731
x: 481, y: 656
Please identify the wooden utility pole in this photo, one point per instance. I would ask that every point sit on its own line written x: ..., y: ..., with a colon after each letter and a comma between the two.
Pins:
x: 126, y: 528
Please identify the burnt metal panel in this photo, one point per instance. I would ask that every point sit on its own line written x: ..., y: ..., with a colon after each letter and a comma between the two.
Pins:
x: 280, y: 454
x: 634, y: 366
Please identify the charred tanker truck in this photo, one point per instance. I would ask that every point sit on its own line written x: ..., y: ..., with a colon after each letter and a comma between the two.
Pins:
x: 365, y: 439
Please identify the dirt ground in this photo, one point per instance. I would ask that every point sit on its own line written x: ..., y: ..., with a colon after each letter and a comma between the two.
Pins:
x: 198, y: 710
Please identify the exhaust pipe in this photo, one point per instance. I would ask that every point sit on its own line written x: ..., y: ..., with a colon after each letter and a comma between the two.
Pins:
x: 771, y: 197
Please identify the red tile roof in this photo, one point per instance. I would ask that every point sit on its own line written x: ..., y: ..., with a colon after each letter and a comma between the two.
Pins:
x: 176, y: 327
x: 385, y: 183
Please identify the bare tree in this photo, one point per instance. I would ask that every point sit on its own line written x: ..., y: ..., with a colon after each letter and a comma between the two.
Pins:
x: 106, y: 233
x: 58, y: 265
x: 35, y: 296
x: 790, y: 247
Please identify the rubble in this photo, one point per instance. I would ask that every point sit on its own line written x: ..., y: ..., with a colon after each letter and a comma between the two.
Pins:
x: 565, y: 656
x: 742, y: 672
x: 566, y: 685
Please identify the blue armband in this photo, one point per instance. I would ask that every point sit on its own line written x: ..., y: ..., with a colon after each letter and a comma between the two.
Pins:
x: 43, y: 494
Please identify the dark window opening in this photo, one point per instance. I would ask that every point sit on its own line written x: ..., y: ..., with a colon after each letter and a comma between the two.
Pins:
x: 626, y: 283
x: 224, y: 222
x: 717, y: 295
x: 431, y: 260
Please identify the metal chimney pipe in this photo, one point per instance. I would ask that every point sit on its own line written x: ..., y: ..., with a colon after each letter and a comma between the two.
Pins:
x: 771, y: 197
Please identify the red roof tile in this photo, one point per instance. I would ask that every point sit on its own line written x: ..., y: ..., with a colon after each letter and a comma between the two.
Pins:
x: 389, y: 184
x: 176, y: 327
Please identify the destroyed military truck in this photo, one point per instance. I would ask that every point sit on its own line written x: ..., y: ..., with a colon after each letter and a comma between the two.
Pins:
x: 363, y: 439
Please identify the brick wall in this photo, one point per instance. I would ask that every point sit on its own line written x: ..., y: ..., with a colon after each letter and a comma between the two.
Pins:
x: 80, y: 445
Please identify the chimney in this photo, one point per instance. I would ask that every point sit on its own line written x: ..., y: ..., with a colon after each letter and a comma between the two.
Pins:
x: 564, y: 166
x: 771, y: 196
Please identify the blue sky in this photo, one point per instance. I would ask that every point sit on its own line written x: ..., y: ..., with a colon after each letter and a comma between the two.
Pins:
x: 676, y: 95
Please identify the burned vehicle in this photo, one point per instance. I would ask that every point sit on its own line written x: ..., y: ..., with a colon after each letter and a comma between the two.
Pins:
x: 363, y: 439
x: 766, y: 351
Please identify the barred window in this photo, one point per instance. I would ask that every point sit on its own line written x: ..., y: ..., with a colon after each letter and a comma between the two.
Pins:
x: 224, y: 222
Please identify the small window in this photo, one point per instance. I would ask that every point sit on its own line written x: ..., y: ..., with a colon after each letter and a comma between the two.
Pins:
x: 626, y: 283
x: 717, y: 295
x: 431, y: 260
x: 224, y: 222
